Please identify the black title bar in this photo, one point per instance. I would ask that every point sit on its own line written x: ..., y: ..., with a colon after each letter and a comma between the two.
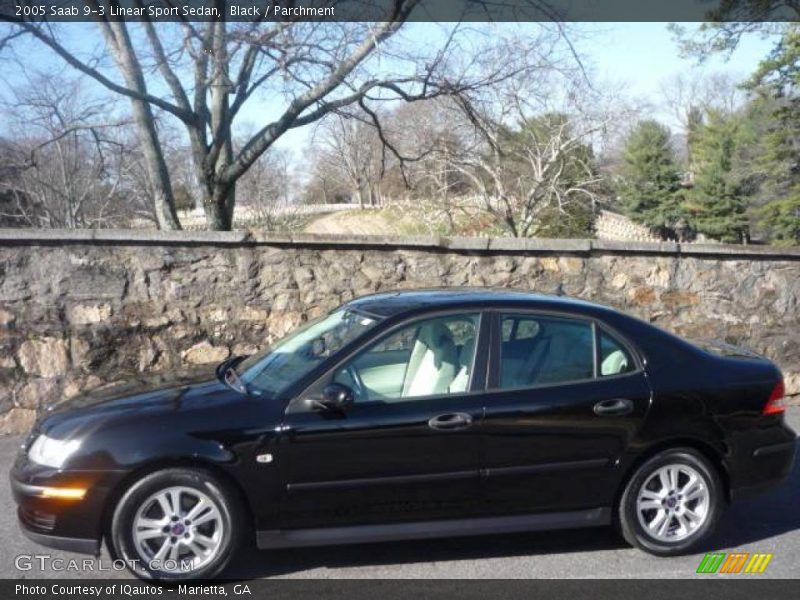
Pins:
x: 384, y: 10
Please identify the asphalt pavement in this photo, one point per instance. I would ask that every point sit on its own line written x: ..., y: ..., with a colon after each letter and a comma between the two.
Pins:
x: 769, y: 523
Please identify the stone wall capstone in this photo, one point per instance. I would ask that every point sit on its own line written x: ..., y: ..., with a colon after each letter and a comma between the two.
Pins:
x: 81, y: 309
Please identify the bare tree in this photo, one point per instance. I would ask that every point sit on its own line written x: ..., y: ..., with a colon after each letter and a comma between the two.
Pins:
x: 135, y: 183
x: 266, y: 190
x: 325, y: 184
x: 351, y: 162
x: 429, y: 131
x: 685, y: 95
x: 690, y: 97
x: 523, y: 157
x: 411, y: 167
x: 66, y: 158
x: 212, y: 70
x: 351, y: 147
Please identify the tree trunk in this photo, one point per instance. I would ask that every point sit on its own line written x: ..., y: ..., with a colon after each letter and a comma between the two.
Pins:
x: 157, y: 172
x: 220, y: 203
x: 218, y: 207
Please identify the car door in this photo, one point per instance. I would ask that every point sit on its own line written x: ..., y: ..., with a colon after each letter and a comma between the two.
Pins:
x: 566, y: 397
x: 406, y: 449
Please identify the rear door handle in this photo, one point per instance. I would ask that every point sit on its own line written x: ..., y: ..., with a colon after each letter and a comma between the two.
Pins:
x: 450, y: 421
x: 613, y: 408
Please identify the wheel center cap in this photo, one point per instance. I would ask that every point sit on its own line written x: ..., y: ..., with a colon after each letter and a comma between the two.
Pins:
x: 671, y: 502
x: 178, y: 529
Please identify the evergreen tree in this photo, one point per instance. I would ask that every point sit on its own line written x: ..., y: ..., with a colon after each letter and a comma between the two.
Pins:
x: 775, y: 158
x: 777, y: 81
x: 576, y: 220
x: 717, y: 202
x: 781, y: 219
x: 649, y: 191
x: 766, y: 160
x: 693, y: 125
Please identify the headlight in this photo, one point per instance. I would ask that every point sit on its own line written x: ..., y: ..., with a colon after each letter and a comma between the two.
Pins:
x: 50, y: 452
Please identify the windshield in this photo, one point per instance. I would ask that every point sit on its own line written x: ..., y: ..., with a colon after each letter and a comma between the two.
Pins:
x: 274, y: 370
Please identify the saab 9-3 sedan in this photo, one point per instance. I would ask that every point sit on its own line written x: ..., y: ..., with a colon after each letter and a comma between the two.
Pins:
x: 412, y: 414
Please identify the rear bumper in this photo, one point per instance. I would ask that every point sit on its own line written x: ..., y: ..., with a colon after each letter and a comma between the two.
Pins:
x: 768, y: 466
x: 782, y: 448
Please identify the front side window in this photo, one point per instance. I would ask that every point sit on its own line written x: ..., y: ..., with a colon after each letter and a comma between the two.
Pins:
x: 430, y: 357
x: 542, y: 350
x: 297, y: 354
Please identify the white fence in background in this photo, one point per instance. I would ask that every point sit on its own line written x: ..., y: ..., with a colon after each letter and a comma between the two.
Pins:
x: 614, y: 226
x: 245, y: 216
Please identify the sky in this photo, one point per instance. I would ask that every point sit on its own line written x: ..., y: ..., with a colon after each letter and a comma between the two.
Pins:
x: 637, y: 58
x: 641, y: 56
x: 634, y: 58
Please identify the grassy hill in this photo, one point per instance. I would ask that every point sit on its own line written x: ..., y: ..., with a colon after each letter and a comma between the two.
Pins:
x: 381, y: 221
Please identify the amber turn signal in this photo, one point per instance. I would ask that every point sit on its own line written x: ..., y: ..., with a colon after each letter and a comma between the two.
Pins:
x: 65, y: 493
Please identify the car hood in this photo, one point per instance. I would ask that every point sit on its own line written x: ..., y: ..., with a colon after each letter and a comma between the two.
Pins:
x: 174, y: 391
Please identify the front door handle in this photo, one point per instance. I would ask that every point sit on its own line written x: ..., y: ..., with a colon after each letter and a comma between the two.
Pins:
x: 613, y: 408
x: 450, y: 421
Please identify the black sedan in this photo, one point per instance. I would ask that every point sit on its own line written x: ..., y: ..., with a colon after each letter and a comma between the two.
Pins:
x: 406, y: 415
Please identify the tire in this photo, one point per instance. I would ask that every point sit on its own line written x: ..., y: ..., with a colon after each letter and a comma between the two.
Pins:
x: 668, y: 520
x: 154, y: 544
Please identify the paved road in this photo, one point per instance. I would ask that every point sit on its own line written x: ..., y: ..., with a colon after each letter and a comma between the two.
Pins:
x: 769, y: 523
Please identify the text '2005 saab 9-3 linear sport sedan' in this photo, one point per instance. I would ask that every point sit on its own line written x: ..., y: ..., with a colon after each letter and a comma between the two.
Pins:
x: 412, y: 414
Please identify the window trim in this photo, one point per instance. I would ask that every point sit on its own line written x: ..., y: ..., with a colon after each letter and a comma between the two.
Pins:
x: 495, y: 349
x: 478, y: 374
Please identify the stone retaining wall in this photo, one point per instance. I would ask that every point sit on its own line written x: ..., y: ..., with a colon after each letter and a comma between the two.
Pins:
x: 82, y: 308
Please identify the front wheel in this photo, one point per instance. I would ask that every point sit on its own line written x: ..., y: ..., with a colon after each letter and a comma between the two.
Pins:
x: 176, y: 524
x: 671, y: 503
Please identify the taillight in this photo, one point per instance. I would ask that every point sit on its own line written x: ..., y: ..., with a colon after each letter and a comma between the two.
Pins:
x: 776, y: 403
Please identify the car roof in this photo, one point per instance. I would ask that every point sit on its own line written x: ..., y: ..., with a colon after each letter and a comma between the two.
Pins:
x: 399, y: 302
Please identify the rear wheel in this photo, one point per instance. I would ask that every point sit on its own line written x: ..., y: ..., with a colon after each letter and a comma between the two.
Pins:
x: 176, y: 524
x: 672, y: 502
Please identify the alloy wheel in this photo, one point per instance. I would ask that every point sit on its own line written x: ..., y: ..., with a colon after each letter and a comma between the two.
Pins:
x: 673, y: 503
x: 178, y: 529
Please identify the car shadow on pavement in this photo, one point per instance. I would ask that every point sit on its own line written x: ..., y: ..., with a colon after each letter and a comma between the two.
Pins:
x: 251, y: 564
x: 746, y: 522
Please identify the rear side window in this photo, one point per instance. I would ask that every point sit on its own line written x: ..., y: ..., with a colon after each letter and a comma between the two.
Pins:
x: 544, y: 350
x: 614, y: 357
x: 539, y: 350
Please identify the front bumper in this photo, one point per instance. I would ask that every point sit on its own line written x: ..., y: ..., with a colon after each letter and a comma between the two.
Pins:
x: 80, y: 545
x: 70, y: 524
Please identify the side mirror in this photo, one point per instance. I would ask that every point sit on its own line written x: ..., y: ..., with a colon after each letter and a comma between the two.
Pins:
x: 335, y: 396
